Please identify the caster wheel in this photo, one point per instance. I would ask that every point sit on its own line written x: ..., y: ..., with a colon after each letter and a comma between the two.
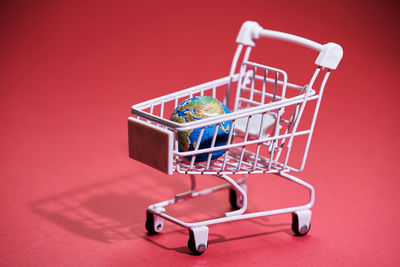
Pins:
x: 301, y: 222
x: 235, y: 198
x: 198, y: 240
x: 154, y: 223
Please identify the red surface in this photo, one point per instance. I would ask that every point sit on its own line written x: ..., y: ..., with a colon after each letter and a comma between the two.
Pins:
x: 70, y: 71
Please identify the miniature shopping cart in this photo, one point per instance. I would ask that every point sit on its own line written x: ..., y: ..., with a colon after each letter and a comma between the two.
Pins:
x: 266, y: 121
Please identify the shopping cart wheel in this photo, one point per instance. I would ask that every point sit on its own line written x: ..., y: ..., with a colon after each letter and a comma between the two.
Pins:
x: 301, y: 222
x: 198, y: 240
x: 154, y: 223
x: 235, y: 198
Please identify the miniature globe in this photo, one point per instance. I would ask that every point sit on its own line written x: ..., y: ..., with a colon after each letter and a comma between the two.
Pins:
x: 197, y: 108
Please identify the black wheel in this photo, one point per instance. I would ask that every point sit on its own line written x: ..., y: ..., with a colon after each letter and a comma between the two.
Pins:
x: 192, y: 245
x: 233, y: 200
x: 299, y: 231
x: 150, y: 227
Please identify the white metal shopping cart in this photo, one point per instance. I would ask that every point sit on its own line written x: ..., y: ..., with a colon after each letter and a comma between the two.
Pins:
x: 266, y: 120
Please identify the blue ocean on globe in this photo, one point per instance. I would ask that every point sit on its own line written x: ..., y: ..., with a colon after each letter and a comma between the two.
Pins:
x: 197, y: 108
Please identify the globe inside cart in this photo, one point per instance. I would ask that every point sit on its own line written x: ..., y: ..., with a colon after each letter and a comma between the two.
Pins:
x: 268, y: 116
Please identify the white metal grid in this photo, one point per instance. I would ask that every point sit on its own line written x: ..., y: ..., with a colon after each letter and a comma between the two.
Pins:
x: 260, y: 92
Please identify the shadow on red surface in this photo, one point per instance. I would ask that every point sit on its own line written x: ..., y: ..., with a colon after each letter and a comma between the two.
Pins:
x: 103, y: 211
x: 216, y: 238
x: 114, y: 210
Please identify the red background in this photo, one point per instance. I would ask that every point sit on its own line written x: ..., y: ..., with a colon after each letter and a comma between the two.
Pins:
x: 70, y: 196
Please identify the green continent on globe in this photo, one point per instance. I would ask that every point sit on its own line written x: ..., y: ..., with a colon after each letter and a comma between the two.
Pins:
x: 183, y: 139
x: 195, y: 109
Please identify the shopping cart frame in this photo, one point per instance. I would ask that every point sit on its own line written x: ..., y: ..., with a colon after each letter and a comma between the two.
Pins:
x: 145, y: 126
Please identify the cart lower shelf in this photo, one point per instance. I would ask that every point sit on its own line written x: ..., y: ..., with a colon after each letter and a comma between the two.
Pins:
x: 198, y: 231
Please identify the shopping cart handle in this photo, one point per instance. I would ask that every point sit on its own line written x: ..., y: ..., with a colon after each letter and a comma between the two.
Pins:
x: 329, y: 56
